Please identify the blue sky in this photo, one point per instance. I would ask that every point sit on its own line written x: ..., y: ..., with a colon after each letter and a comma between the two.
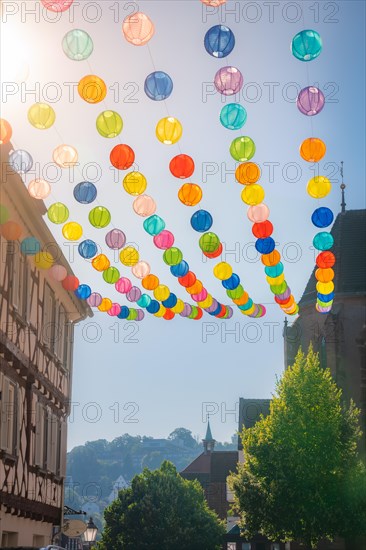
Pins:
x: 152, y: 377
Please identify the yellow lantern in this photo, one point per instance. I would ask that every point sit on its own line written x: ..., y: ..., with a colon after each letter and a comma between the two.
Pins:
x: 252, y: 194
x: 276, y: 280
x: 179, y: 307
x: 129, y: 256
x: 44, y: 260
x: 72, y: 231
x: 223, y: 271
x: 161, y: 311
x: 319, y: 187
x: 325, y: 288
x: 207, y: 302
x: 161, y: 293
x: 169, y: 130
x: 41, y: 116
x: 134, y: 183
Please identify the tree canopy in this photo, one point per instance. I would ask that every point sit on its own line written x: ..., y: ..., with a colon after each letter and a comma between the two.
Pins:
x: 161, y: 511
x: 302, y: 477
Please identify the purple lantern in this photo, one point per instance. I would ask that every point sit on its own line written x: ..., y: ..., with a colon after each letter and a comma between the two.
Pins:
x: 115, y: 239
x: 213, y: 307
x: 94, y: 299
x: 140, y: 314
x: 310, y: 101
x: 133, y: 294
x: 187, y: 310
x: 230, y: 312
x: 285, y: 294
x: 228, y: 80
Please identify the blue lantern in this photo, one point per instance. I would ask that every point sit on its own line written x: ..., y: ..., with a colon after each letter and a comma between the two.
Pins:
x: 322, y: 217
x: 219, y: 41
x: 154, y: 225
x: 83, y: 292
x: 171, y: 301
x: 265, y: 246
x: 233, y: 116
x: 323, y: 241
x: 158, y: 86
x: 153, y: 307
x: 274, y: 270
x: 180, y: 270
x: 217, y: 310
x: 306, y: 45
x: 144, y: 300
x: 124, y: 313
x: 87, y: 249
x: 85, y: 192
x: 20, y: 161
x: 30, y: 246
x: 325, y: 297
x: 231, y: 283
x: 201, y: 221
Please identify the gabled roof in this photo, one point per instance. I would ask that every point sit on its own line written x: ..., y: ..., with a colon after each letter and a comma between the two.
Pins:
x: 349, y: 233
x: 216, y: 465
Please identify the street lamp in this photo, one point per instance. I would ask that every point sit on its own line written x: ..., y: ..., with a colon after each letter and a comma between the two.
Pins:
x: 90, y: 533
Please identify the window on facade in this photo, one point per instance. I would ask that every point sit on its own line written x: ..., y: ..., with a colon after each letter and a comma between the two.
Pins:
x: 247, y: 546
x: 50, y: 443
x: 48, y: 325
x: 9, y: 416
x: 229, y: 494
x: 19, y: 281
x: 40, y: 431
x: 231, y: 546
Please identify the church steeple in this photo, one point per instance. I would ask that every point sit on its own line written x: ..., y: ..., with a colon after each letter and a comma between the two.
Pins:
x: 209, y: 441
x: 343, y: 187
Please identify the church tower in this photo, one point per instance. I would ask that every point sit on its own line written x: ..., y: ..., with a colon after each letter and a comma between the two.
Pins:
x: 209, y: 441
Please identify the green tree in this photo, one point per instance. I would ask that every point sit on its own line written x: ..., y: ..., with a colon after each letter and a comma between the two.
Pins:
x: 302, y: 472
x: 152, y: 460
x: 184, y: 435
x: 161, y: 511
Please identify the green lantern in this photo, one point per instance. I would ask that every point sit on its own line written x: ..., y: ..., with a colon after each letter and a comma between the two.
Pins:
x: 99, y: 217
x: 242, y: 148
x: 209, y: 242
x: 236, y: 293
x: 58, y: 213
x: 173, y: 256
x: 111, y: 275
x: 109, y: 124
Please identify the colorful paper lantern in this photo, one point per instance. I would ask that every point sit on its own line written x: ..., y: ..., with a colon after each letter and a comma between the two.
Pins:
x: 265, y: 246
x: 319, y: 187
x: 141, y: 270
x: 30, y: 246
x: 325, y: 259
x: 122, y: 156
x: 173, y: 256
x: 164, y: 240
x: 105, y: 305
x: 161, y: 293
x: 233, y: 116
x: 101, y: 262
x: 322, y: 217
x: 306, y: 45
x: 271, y: 259
x: 85, y: 192
x: 109, y: 124
x: 57, y: 6
x: 324, y: 275
x: 252, y: 194
x: 169, y: 130
x: 258, y: 213
x: 138, y: 29
x: 58, y: 272
x: 58, y: 213
x: 180, y: 270
x: 213, y: 3
x: 274, y: 270
x: 232, y: 282
x: 144, y: 206
x: 115, y: 310
x: 219, y: 41
x: 247, y: 173
x: 325, y: 288
x: 77, y: 45
x: 323, y: 241
x: 154, y: 225
x: 129, y: 256
x: 83, y: 292
x: 39, y: 189
x: 123, y: 285
x: 20, y: 161
x: 72, y: 231
x: 201, y: 221
x: 171, y: 301
x: 312, y: 149
x: 144, y: 300
x: 150, y: 282
x: 182, y: 166
x: 41, y: 116
x: 94, y: 299
x: 134, y: 183
x: 99, y: 217
x: 43, y: 260
x: 133, y: 294
x: 115, y: 239
x: 11, y: 231
x: 223, y: 271
x: 188, y: 279
x: 92, y: 89
x: 65, y: 156
x: 228, y: 80
x: 87, y: 249
x: 242, y: 148
x: 190, y: 194
x: 153, y: 307
x: 111, y: 275
x: 209, y: 242
x: 124, y: 313
x: 262, y: 230
x: 70, y: 283
x: 158, y: 86
x: 310, y: 101
x: 5, y: 131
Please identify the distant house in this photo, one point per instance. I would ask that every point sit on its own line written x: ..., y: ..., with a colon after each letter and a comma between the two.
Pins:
x: 119, y: 484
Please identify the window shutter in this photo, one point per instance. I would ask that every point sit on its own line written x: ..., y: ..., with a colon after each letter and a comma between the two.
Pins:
x: 54, y: 438
x: 7, y: 416
x: 39, y: 443
x: 15, y: 277
x: 17, y: 420
x: 63, y: 448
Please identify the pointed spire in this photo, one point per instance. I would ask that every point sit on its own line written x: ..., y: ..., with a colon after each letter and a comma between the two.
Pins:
x: 209, y: 441
x: 343, y: 203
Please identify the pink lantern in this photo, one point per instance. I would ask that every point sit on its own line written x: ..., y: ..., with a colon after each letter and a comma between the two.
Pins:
x: 57, y: 5
x: 258, y: 213
x: 115, y: 310
x: 123, y: 285
x: 213, y: 3
x: 58, y: 272
x: 228, y: 80
x: 200, y: 296
x: 39, y: 189
x: 94, y: 299
x: 141, y: 270
x: 144, y: 205
x: 164, y: 240
x: 138, y: 29
x: 65, y: 156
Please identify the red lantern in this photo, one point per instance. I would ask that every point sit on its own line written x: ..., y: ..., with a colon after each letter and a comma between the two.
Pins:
x: 182, y: 166
x: 188, y: 280
x: 168, y: 315
x: 262, y: 230
x: 283, y: 302
x: 122, y: 156
x: 215, y: 254
x: 222, y: 312
x: 325, y: 259
x: 70, y: 283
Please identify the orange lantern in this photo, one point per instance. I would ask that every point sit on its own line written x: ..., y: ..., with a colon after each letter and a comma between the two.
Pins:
x: 150, y: 282
x: 312, y: 149
x: 324, y: 275
x: 101, y: 262
x: 248, y: 173
x: 195, y: 288
x: 271, y: 259
x: 190, y: 194
x: 92, y: 89
x: 11, y: 231
x: 5, y: 131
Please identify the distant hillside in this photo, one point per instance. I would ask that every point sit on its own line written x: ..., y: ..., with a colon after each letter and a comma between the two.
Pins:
x: 96, y: 470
